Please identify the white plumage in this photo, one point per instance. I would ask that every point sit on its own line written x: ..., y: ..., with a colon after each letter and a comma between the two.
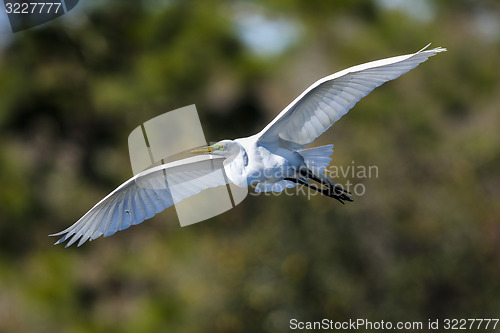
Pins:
x: 273, y: 159
x: 328, y: 99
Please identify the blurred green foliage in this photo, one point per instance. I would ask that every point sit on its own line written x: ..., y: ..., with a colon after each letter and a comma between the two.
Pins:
x: 422, y: 242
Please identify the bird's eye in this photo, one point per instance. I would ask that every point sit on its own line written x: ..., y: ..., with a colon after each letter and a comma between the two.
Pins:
x: 218, y: 147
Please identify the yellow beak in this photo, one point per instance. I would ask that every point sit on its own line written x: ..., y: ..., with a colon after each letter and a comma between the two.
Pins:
x: 204, y: 150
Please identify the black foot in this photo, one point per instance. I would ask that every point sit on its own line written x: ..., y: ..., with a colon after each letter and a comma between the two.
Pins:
x: 339, y: 189
x: 338, y: 194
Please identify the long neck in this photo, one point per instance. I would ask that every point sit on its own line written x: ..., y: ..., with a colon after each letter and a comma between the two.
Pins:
x: 236, y: 168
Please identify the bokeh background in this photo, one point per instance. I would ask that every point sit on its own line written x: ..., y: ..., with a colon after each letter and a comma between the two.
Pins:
x: 422, y: 243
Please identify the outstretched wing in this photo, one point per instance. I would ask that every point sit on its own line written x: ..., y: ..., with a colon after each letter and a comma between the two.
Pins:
x: 328, y: 99
x: 145, y: 195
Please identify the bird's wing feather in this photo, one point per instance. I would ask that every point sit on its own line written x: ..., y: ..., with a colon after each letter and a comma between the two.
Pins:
x: 328, y: 99
x: 145, y: 195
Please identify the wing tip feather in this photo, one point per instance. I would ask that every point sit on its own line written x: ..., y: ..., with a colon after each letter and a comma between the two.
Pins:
x: 433, y: 51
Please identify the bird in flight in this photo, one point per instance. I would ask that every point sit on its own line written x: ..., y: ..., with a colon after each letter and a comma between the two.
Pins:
x: 272, y: 160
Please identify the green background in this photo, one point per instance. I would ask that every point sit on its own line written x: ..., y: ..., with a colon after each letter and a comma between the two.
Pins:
x: 422, y: 243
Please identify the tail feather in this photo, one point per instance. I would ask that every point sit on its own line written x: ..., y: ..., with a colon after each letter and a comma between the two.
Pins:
x: 317, y: 158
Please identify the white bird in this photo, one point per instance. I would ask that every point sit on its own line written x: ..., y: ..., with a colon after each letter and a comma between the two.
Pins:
x: 272, y: 159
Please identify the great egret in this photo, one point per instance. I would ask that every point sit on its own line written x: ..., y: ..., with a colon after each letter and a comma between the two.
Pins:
x: 273, y: 159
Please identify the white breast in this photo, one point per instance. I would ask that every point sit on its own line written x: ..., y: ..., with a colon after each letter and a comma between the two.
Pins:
x: 265, y: 164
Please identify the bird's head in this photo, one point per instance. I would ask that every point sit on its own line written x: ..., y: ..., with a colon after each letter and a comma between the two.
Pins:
x: 225, y: 148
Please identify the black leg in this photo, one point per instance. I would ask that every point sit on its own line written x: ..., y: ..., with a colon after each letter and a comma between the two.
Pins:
x: 328, y: 191
x: 309, y: 174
